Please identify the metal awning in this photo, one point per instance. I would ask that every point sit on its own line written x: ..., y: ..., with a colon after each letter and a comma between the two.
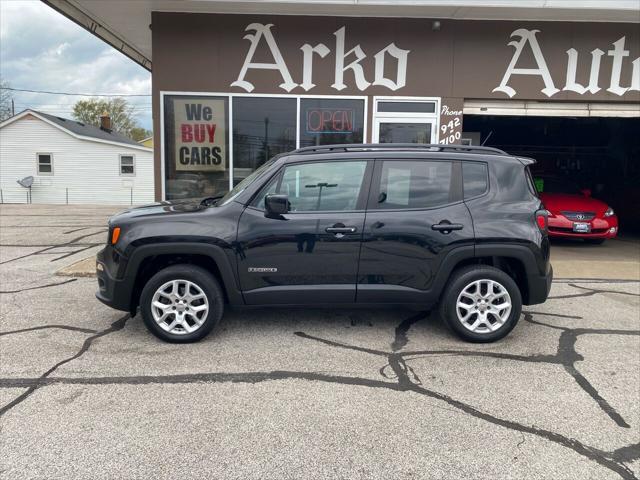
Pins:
x: 550, y: 109
x: 127, y: 25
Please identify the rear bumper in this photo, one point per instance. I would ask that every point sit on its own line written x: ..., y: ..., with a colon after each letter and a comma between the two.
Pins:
x: 112, y: 292
x: 539, y: 287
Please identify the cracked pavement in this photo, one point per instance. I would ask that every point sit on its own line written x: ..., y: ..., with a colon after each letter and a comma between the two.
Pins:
x: 87, y: 392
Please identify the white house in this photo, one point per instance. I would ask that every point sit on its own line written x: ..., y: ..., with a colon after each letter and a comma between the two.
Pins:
x: 72, y: 162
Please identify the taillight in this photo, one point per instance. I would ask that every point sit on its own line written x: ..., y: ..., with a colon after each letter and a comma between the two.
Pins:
x: 542, y: 220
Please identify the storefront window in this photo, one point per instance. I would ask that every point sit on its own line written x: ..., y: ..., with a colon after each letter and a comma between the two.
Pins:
x: 325, y: 121
x: 198, y: 130
x: 196, y: 146
x: 262, y: 128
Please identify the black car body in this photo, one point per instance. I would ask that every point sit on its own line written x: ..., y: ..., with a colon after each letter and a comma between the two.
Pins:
x: 344, y: 225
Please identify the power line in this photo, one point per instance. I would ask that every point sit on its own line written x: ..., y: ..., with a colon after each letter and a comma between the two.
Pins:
x: 69, y: 107
x: 66, y: 107
x: 70, y: 103
x: 77, y: 94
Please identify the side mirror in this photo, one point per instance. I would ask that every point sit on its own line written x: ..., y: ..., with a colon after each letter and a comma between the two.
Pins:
x: 276, y: 204
x: 586, y: 192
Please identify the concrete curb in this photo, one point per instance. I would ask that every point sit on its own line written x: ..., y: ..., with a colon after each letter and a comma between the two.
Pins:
x: 82, y: 268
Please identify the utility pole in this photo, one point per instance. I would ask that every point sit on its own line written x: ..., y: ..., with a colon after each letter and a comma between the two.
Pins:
x: 321, y: 185
x: 266, y: 139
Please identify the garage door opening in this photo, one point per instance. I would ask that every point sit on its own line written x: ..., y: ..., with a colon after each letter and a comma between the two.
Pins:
x: 598, y: 153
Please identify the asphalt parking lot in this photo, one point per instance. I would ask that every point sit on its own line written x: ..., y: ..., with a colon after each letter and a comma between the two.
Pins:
x: 87, y: 392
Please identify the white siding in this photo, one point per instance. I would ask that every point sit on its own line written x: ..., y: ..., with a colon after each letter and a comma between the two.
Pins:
x: 89, y: 171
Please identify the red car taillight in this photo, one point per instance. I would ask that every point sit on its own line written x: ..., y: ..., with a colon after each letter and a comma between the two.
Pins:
x: 542, y: 220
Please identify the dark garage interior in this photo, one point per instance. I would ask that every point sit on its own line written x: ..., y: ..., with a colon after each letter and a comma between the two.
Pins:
x: 598, y: 153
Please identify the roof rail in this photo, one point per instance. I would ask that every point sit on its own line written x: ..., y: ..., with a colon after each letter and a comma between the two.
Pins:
x: 401, y: 146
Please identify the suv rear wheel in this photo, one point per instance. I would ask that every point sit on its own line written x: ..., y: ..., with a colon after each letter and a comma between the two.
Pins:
x: 481, y: 304
x: 181, y: 303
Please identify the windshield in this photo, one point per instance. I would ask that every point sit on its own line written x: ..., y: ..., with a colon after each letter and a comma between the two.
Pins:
x: 239, y: 188
x: 556, y: 185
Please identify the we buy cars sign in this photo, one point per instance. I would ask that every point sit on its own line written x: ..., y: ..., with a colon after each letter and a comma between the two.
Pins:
x: 200, y: 136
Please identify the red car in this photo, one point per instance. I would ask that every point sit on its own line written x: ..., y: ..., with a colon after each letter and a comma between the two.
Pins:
x: 573, y: 213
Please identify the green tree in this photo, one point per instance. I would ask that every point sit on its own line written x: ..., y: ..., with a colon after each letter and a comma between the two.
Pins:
x: 121, y: 113
x: 139, y: 133
x: 5, y: 100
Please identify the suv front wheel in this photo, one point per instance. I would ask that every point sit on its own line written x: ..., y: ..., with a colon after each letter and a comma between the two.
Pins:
x: 181, y: 303
x: 481, y: 303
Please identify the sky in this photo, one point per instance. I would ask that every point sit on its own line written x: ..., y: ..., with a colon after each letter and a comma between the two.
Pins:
x: 42, y: 50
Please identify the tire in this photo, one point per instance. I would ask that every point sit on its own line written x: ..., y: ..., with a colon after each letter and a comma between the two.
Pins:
x: 499, y: 322
x: 594, y: 241
x: 186, y: 319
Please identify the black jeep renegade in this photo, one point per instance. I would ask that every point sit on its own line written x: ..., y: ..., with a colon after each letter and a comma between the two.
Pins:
x: 391, y: 224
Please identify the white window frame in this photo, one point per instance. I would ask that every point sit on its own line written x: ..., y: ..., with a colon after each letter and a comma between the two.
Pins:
x: 39, y: 173
x: 406, y: 117
x: 229, y: 97
x: 120, y: 164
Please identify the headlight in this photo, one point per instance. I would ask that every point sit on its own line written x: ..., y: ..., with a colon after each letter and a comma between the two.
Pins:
x: 609, y: 212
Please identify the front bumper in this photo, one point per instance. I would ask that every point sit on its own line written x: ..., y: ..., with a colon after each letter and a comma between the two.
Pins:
x: 114, y: 292
x: 560, y: 226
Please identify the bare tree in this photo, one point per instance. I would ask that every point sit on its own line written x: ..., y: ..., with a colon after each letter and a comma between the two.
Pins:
x: 121, y: 113
x: 6, y: 100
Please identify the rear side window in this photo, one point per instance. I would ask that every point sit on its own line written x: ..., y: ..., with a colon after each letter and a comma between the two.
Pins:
x: 474, y: 175
x: 414, y: 184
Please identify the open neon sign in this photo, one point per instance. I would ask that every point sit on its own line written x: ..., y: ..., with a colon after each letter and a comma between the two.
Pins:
x: 329, y: 120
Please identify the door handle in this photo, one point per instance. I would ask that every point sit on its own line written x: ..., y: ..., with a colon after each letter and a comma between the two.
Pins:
x: 446, y: 227
x: 341, y: 230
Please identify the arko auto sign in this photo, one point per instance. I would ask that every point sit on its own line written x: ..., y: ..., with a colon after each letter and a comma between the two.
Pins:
x: 392, y: 63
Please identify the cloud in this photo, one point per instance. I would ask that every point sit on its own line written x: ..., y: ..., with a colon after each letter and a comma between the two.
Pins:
x: 42, y: 50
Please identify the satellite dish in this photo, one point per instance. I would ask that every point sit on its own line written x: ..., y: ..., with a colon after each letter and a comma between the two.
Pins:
x: 26, y: 182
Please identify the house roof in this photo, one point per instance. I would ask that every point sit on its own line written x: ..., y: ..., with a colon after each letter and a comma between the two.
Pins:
x: 78, y: 129
x: 85, y: 130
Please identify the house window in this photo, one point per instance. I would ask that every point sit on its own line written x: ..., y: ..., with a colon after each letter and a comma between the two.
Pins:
x: 45, y: 164
x: 127, y: 165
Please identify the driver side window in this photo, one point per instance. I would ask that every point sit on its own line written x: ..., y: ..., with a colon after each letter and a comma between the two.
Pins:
x: 318, y: 186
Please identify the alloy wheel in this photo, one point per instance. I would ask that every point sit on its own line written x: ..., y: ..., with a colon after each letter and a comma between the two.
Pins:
x: 179, y: 307
x: 483, y: 306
